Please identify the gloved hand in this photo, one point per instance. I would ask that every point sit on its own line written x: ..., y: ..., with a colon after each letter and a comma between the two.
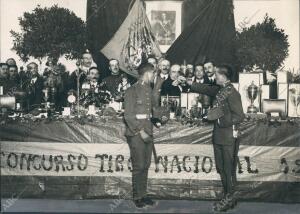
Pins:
x: 146, y: 138
x: 236, y: 132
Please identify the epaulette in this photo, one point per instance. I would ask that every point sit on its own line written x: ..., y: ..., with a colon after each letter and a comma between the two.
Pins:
x: 224, y: 92
x: 229, y: 88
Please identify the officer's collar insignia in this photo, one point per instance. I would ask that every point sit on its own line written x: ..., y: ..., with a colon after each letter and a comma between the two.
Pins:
x: 226, y: 83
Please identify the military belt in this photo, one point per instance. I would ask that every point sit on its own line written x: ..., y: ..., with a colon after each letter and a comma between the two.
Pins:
x: 143, y: 116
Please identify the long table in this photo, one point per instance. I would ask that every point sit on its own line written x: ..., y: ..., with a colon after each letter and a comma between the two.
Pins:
x: 70, y: 159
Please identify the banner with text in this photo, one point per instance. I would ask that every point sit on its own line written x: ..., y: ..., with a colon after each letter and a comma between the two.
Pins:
x: 176, y: 161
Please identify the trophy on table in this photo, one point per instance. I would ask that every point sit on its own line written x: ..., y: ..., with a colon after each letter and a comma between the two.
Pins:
x: 172, y: 103
x: 47, y: 106
x: 78, y: 75
x: 252, y: 91
x: 7, y: 103
x: 72, y: 99
x: 20, y: 100
x: 295, y: 100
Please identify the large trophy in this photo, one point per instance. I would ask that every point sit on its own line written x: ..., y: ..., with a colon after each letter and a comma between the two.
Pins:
x: 7, y: 103
x: 252, y: 94
x: 295, y: 101
x: 47, y: 105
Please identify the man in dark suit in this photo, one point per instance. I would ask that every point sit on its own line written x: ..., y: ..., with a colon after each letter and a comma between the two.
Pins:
x: 210, y: 71
x: 83, y: 66
x: 34, y: 86
x: 230, y: 114
x: 4, y: 78
x: 13, y: 73
x: 139, y: 132
x: 199, y: 77
x: 14, y: 79
x: 171, y: 86
x: 112, y: 82
x: 161, y: 74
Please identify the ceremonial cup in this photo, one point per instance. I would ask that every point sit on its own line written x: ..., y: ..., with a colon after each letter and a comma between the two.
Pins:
x: 252, y: 91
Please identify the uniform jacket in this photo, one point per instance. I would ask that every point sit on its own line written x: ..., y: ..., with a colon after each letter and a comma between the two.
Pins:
x: 138, y: 101
x: 230, y: 100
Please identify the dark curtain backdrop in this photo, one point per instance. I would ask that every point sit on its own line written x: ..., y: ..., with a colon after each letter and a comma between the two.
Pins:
x: 209, y: 36
x: 104, y: 17
x: 207, y: 26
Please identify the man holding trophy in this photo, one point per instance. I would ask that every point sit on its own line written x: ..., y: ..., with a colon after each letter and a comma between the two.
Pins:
x: 227, y: 114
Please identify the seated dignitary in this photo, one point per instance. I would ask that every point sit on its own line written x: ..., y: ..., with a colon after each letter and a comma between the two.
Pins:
x: 4, y: 78
x: 171, y: 86
x: 164, y: 69
x: 93, y: 78
x: 93, y: 91
x: 199, y: 76
x: 34, y: 86
x: 87, y: 62
x: 83, y: 68
x: 13, y: 74
x: 93, y: 83
x: 161, y: 73
x: 210, y: 69
x: 112, y: 81
x: 14, y: 78
x: 190, y: 70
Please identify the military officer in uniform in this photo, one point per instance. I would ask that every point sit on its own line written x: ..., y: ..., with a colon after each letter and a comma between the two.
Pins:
x: 227, y: 112
x: 138, y: 104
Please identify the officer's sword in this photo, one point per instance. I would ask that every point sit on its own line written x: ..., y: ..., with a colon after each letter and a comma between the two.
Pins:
x: 155, y: 155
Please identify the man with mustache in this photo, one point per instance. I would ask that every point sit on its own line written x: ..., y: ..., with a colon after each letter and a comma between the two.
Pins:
x: 227, y: 114
x: 161, y: 74
x: 34, y: 86
x: 83, y: 66
x: 210, y: 69
x: 171, y: 86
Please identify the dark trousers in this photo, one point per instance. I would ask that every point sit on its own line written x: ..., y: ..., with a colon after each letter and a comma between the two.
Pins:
x: 235, y: 162
x: 226, y: 164
x: 140, y: 153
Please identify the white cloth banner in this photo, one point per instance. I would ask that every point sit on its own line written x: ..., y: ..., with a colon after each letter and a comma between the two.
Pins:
x: 178, y: 161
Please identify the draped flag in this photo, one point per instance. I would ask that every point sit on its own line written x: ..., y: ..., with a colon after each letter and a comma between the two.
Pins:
x: 134, y: 42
